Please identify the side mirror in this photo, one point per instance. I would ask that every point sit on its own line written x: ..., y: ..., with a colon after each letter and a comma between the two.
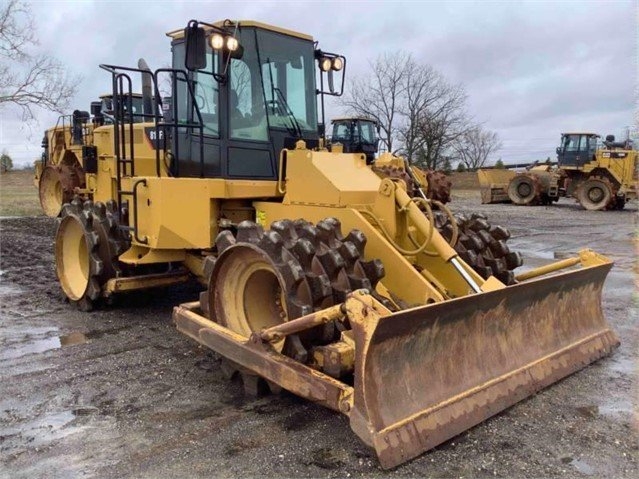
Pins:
x: 195, y: 47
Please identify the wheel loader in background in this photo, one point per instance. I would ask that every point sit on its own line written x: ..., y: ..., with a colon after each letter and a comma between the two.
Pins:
x: 321, y: 277
x: 476, y: 239
x: 600, y: 178
x: 359, y: 135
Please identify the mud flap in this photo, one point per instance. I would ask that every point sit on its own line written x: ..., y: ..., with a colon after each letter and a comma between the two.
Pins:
x: 425, y: 375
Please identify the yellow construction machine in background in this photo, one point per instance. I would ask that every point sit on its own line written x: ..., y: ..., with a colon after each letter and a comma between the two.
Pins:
x: 600, y: 178
x: 70, y: 150
x: 321, y: 277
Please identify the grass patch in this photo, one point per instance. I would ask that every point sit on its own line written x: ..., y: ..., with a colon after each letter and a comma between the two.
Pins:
x: 18, y: 196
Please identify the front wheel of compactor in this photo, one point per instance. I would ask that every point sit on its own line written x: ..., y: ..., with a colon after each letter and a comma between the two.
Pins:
x: 264, y: 278
x: 595, y: 194
x: 87, y: 243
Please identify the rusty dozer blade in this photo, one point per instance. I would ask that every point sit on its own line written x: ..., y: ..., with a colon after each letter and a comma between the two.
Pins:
x: 424, y: 375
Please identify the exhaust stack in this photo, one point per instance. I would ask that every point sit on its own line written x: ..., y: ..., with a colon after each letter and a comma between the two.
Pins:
x: 147, y: 87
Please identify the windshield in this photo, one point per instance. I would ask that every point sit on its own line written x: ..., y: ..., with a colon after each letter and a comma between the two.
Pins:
x: 368, y: 132
x: 575, y: 142
x: 288, y: 79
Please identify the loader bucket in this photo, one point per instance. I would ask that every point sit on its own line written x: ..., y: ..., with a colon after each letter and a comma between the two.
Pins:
x: 493, y: 185
x: 425, y: 375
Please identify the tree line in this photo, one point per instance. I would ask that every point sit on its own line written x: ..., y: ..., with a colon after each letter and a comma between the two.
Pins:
x: 421, y: 115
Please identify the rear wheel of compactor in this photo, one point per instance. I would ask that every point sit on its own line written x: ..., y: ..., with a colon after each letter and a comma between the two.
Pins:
x: 524, y: 189
x: 263, y: 278
x: 87, y: 244
x: 51, y: 192
x: 596, y: 194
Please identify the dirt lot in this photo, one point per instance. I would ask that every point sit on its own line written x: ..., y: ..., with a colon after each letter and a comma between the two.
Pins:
x: 119, y: 393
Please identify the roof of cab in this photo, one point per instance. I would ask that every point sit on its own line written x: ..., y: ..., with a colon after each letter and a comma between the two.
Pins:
x: 177, y: 34
x: 589, y: 133
x: 354, y: 118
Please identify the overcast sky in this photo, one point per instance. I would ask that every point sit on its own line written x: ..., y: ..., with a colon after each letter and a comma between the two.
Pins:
x: 531, y: 69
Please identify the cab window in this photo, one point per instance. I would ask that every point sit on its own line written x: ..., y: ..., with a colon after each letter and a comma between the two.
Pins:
x: 246, y: 107
x: 207, y: 94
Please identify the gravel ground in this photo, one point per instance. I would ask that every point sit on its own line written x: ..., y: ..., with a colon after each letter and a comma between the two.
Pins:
x: 119, y: 393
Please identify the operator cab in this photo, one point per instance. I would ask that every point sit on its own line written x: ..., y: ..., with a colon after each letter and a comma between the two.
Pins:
x: 357, y: 135
x: 252, y: 89
x: 576, y: 149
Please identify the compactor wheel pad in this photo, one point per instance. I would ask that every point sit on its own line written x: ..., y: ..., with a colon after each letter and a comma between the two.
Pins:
x: 262, y: 278
x: 481, y: 245
x: 438, y: 187
x: 87, y: 244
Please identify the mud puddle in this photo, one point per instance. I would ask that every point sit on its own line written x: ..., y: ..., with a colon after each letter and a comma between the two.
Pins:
x: 24, y: 342
x: 43, y: 430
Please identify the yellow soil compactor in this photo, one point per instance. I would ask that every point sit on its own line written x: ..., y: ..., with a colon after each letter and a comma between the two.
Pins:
x: 598, y: 177
x: 321, y: 276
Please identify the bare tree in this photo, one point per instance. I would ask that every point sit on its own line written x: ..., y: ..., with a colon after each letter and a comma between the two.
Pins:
x: 442, y: 124
x: 29, y: 80
x: 419, y: 112
x: 421, y: 90
x: 378, y: 96
x: 475, y: 146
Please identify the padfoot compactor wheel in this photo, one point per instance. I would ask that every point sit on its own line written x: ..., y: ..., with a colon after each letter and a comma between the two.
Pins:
x: 264, y: 278
x: 438, y: 187
x: 87, y: 244
x: 481, y: 245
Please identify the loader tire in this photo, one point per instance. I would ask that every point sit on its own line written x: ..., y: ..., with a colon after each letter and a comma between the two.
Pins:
x: 524, y: 189
x: 596, y: 194
x: 481, y: 245
x: 263, y: 278
x: 88, y: 242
